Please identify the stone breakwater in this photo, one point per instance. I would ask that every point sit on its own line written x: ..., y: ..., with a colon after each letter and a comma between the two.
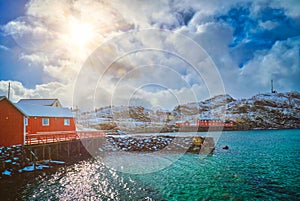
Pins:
x: 197, y: 144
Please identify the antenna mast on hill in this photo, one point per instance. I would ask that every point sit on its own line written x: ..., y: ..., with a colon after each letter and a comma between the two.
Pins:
x: 8, y: 91
x: 272, y: 88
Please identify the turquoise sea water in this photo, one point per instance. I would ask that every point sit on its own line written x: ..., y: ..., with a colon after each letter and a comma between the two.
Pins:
x: 259, y: 165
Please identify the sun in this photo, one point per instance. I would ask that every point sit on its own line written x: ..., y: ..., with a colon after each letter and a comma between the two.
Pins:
x: 80, y: 33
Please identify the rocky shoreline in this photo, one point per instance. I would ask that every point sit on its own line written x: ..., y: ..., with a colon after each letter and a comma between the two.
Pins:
x: 204, y: 129
x: 14, y: 159
x: 18, y: 159
x: 196, y: 144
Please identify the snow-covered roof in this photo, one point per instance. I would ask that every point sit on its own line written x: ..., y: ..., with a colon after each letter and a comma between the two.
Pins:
x: 32, y: 110
x: 4, y: 98
x: 210, y: 119
x: 44, y: 102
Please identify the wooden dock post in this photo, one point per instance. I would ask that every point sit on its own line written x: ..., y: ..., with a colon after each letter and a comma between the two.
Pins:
x: 57, y: 150
x: 78, y: 145
x: 68, y: 149
x: 49, y: 152
x: 43, y: 153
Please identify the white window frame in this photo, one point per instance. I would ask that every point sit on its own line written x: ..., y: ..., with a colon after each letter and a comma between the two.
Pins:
x: 26, y: 121
x: 45, y: 123
x: 67, y: 122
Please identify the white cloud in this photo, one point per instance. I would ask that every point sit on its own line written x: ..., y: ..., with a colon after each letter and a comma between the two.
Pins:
x: 46, y: 35
x: 2, y: 47
x: 269, y: 25
x: 280, y: 63
x: 50, y: 90
x: 291, y: 7
x: 35, y: 59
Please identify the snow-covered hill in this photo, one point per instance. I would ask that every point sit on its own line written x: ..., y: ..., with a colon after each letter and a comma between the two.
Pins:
x: 270, y: 110
x: 127, y: 118
x: 279, y: 110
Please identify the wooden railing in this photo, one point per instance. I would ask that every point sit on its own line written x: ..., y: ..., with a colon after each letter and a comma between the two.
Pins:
x: 60, y: 136
x: 90, y: 134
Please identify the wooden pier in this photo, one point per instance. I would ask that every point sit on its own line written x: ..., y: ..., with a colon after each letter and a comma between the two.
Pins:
x: 62, y: 145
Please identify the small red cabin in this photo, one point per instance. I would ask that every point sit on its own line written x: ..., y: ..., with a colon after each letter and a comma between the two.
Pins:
x: 214, y: 123
x: 181, y: 124
x: 33, y: 116
x: 12, y: 130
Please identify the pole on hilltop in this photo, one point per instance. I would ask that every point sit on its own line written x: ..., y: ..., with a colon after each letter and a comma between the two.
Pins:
x: 8, y: 91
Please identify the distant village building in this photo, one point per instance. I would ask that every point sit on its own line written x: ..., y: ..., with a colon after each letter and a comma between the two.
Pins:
x: 32, y: 116
x: 182, y: 124
x: 207, y: 123
x: 214, y: 123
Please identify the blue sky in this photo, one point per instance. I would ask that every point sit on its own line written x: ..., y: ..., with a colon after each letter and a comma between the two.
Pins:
x: 11, y: 10
x: 44, y: 45
x: 11, y: 66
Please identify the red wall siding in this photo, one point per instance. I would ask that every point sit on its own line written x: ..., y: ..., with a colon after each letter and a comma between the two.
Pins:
x: 206, y: 123
x: 11, y: 124
x: 55, y: 124
x: 180, y: 124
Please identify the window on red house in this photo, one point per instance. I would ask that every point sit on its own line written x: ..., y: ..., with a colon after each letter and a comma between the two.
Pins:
x: 45, y: 121
x: 66, y: 122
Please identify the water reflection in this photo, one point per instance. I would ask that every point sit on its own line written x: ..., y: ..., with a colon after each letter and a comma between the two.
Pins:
x: 87, y: 180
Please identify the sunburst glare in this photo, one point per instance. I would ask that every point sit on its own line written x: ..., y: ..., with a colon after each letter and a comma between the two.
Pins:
x: 80, y: 33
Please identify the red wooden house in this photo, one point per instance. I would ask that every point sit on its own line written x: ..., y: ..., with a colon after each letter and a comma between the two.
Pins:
x: 37, y: 117
x: 12, y: 130
x: 47, y: 118
x: 214, y: 123
x: 182, y: 124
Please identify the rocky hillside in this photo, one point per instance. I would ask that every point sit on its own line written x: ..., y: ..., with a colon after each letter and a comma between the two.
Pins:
x: 121, y: 117
x: 280, y: 110
x: 262, y: 111
x: 271, y: 110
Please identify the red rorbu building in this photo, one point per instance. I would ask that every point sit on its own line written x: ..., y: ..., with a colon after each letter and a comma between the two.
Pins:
x: 181, y: 124
x: 12, y: 121
x: 33, y: 116
x: 228, y: 123
x: 213, y: 122
x: 45, y: 117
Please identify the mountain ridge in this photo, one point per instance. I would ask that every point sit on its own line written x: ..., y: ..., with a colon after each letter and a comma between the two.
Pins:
x: 261, y: 111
